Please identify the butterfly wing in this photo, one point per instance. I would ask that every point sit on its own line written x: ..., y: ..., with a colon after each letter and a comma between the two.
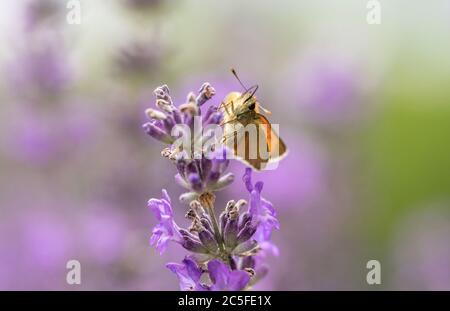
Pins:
x: 254, y: 141
x: 271, y: 147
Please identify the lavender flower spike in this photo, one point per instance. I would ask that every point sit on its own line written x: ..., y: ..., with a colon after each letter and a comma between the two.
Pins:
x: 229, y: 249
x: 166, y: 230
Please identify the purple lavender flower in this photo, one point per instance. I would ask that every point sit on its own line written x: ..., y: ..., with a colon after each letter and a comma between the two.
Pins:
x: 188, y: 274
x: 39, y: 72
x: 228, y: 247
x: 221, y: 276
x: 166, y: 230
x: 261, y: 211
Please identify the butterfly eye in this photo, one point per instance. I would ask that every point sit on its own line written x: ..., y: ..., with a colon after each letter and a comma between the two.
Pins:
x: 251, y: 106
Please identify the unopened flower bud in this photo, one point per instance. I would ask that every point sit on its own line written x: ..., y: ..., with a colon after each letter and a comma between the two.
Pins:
x: 224, y: 181
x: 193, y: 246
x: 197, y: 207
x: 244, y: 218
x: 223, y: 219
x: 187, y: 197
x: 230, y: 232
x: 246, y: 233
x: 208, y: 240
x: 206, y: 92
x: 155, y: 114
x: 157, y: 133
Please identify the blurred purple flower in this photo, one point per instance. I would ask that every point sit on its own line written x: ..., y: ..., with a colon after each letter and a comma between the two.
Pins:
x: 329, y: 88
x: 306, y: 163
x: 139, y: 58
x: 39, y: 71
x: 166, y: 230
x: 37, y: 12
x: 41, y: 138
x: 104, y: 232
x: 421, y: 250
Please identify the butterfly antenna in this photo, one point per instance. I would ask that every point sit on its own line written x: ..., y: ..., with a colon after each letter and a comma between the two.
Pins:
x: 239, y: 80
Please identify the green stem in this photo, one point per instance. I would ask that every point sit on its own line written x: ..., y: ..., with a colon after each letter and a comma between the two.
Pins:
x: 215, y: 224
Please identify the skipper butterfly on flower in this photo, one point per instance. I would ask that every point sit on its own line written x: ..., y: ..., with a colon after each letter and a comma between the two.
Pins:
x: 247, y: 132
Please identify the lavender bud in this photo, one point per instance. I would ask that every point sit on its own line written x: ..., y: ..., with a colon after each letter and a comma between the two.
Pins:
x: 206, y: 223
x: 193, y: 246
x: 230, y: 232
x: 248, y: 262
x: 162, y: 92
x: 224, y: 181
x: 206, y: 165
x: 197, y: 207
x: 169, y: 123
x: 186, y: 234
x: 245, y: 217
x: 230, y: 205
x: 213, y: 177
x: 196, y: 225
x: 223, y: 219
x: 188, y: 197
x: 181, y: 164
x: 164, y: 105
x: 211, y: 110
x: 246, y: 233
x: 195, y: 182
x: 157, y: 133
x: 191, y: 214
x: 155, y: 114
x: 165, y: 89
x: 206, y: 92
x: 181, y: 181
x: 190, y: 108
x: 208, y: 240
x: 177, y: 116
x: 233, y: 209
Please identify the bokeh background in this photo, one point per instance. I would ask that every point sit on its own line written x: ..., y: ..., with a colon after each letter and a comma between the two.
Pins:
x: 364, y: 109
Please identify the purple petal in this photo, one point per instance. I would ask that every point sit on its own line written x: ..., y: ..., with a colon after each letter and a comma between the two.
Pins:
x: 247, y: 178
x: 237, y: 280
x: 218, y: 273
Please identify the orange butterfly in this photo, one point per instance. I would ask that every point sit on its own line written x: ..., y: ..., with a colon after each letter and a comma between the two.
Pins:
x: 247, y: 132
